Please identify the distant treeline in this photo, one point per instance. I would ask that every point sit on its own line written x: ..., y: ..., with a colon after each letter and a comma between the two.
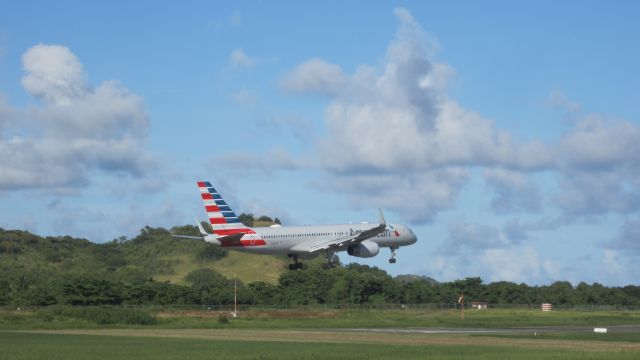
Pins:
x: 63, y: 270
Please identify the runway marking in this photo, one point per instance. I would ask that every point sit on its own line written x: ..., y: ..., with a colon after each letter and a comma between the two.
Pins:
x: 522, y: 330
x: 416, y: 331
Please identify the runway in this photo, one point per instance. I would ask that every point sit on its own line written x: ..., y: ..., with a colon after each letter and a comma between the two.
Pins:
x: 510, y: 330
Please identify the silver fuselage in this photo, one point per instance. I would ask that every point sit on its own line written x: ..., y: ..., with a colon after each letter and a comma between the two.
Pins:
x: 285, y: 239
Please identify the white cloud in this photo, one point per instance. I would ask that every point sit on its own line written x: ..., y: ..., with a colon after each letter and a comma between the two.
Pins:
x: 6, y: 114
x: 467, y: 237
x: 559, y: 100
x: 301, y: 127
x: 396, y: 121
x: 598, y: 162
x: 588, y: 193
x: 615, y: 269
x: 418, y: 197
x: 75, y: 130
x: 610, y: 262
x: 54, y: 74
x: 245, y: 164
x: 316, y: 76
x: 238, y: 59
x: 245, y: 98
x: 258, y: 208
x: 515, y: 264
x: 514, y: 191
x: 395, y: 139
x: 628, y: 241
x: 595, y: 143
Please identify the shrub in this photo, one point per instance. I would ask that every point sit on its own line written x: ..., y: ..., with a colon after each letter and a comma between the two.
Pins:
x: 106, y: 315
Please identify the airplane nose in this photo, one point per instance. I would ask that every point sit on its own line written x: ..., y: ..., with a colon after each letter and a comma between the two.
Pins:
x: 413, y: 239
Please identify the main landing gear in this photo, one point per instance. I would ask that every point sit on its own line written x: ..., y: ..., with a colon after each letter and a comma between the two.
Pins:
x: 296, y: 265
x: 393, y: 256
x: 332, y: 260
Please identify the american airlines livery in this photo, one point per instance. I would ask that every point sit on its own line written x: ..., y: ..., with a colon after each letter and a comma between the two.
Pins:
x: 298, y: 242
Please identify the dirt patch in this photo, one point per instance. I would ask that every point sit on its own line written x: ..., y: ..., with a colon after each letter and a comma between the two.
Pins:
x: 291, y: 314
x: 192, y: 313
x: 282, y: 314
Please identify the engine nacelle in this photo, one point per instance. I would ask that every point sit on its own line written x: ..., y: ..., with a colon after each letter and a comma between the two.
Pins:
x: 365, y: 249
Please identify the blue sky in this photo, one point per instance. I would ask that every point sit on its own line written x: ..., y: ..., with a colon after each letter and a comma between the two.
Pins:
x: 505, y: 134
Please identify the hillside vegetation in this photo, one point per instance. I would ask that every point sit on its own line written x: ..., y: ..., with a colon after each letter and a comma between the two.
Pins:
x: 157, y: 268
x: 153, y: 254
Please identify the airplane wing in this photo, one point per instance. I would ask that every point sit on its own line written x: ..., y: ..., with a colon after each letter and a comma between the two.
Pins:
x: 341, y: 242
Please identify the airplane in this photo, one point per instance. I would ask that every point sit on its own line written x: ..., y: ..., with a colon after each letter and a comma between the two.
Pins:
x: 298, y: 242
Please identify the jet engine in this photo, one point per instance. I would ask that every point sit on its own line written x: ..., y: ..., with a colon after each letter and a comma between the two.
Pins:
x: 365, y: 249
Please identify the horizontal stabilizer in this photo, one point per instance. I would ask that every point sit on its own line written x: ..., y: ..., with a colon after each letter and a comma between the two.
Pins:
x: 188, y: 237
x: 201, y: 228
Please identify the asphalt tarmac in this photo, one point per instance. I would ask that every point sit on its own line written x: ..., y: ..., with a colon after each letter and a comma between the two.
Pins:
x: 515, y: 330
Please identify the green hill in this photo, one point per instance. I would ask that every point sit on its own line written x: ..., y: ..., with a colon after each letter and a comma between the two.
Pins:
x: 157, y: 268
x: 154, y: 254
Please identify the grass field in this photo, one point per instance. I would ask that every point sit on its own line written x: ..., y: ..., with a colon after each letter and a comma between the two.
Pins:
x: 400, y: 318
x: 57, y: 334
x: 53, y: 318
x: 244, y: 267
x: 251, y: 267
x: 243, y: 344
x: 626, y: 337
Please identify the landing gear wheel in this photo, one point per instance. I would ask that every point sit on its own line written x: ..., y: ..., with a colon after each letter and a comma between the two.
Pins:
x: 329, y: 265
x: 296, y: 265
x: 332, y: 260
x: 393, y: 256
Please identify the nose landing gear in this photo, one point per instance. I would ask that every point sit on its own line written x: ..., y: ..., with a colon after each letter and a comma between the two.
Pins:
x: 392, y: 260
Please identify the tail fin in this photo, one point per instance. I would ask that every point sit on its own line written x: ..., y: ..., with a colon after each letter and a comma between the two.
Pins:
x: 223, y: 220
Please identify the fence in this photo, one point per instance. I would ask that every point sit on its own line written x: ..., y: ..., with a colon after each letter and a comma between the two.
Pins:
x: 359, y: 307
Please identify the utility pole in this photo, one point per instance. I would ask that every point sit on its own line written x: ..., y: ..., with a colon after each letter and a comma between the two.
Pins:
x: 235, y: 296
x: 461, y: 302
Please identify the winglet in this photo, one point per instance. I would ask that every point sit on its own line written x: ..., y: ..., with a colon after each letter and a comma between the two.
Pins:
x: 381, y: 218
x: 202, y: 231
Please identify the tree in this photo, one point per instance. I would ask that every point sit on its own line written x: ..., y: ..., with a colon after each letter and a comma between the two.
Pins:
x: 87, y: 290
x: 211, y: 288
x: 308, y: 286
x: 264, y: 294
x: 418, y: 292
x: 561, y: 293
x: 246, y: 219
x: 210, y: 252
x: 472, y: 288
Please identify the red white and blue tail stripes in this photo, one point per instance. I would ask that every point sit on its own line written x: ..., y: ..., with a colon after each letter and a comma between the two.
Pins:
x: 223, y: 220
